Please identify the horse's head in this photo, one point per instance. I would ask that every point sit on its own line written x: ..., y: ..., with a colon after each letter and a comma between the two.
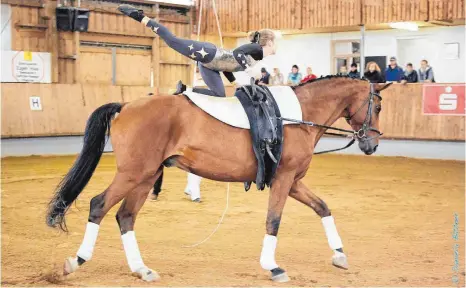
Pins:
x: 363, y: 116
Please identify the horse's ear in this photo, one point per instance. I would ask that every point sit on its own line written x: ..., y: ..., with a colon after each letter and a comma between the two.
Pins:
x: 382, y: 86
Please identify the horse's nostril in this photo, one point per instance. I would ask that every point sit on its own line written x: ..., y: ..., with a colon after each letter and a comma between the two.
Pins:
x: 375, y: 147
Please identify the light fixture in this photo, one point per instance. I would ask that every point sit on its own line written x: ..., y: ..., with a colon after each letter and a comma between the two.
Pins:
x: 410, y: 26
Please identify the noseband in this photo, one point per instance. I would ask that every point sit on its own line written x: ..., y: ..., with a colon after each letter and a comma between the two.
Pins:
x: 360, y: 135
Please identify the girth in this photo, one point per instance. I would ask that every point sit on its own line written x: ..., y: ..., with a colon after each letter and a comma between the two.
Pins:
x: 266, y: 128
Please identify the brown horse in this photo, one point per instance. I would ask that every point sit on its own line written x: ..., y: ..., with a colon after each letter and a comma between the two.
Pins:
x: 171, y: 131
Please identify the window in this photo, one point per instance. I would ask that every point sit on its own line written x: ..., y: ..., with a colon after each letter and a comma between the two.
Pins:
x: 345, y: 53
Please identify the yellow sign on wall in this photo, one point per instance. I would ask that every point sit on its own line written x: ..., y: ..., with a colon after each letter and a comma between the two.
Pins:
x: 27, y: 56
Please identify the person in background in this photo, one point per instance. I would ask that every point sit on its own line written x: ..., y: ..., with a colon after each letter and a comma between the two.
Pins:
x: 265, y: 76
x: 294, y: 78
x: 372, y: 73
x: 393, y: 73
x: 309, y: 75
x: 354, y: 71
x: 426, y: 73
x: 343, y: 71
x: 410, y: 75
x: 277, y: 77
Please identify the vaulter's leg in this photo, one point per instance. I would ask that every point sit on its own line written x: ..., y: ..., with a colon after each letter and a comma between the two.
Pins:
x: 100, y: 205
x: 199, y: 51
x: 126, y: 217
x: 278, y: 194
x: 301, y: 193
x: 193, y: 187
x: 157, y: 187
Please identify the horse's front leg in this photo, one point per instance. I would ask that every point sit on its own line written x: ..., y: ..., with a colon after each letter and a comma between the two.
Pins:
x: 278, y: 194
x: 301, y: 193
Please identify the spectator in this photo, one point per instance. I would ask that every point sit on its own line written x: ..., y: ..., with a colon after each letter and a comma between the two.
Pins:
x: 410, y: 75
x: 426, y: 73
x: 372, y: 73
x: 264, y: 80
x: 277, y: 77
x: 393, y: 73
x: 309, y: 75
x: 354, y: 71
x: 294, y: 78
x: 343, y: 71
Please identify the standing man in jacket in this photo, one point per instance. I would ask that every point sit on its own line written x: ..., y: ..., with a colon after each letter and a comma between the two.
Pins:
x: 393, y: 73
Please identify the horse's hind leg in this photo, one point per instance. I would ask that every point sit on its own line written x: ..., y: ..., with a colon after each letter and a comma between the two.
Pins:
x: 126, y: 217
x: 100, y: 205
x: 301, y: 193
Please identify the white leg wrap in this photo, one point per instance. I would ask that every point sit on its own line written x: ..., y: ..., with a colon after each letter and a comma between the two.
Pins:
x: 87, y: 246
x: 268, y: 252
x: 334, y: 240
x: 194, y: 186
x: 132, y: 251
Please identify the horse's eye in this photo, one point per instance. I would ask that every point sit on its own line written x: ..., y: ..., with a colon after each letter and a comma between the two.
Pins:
x: 378, y: 108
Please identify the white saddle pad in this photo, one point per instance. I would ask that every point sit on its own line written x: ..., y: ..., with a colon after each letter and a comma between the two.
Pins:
x: 230, y: 111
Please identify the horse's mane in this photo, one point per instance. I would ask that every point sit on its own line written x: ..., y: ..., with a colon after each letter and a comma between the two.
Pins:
x: 329, y: 77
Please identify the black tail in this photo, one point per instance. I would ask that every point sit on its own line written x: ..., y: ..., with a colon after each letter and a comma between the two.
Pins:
x: 98, y: 125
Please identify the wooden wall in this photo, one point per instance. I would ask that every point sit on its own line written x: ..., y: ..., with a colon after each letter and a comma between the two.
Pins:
x: 384, y: 11
x: 66, y: 108
x: 248, y: 15
x: 34, y: 29
x: 329, y: 13
x: 446, y: 9
x: 276, y: 14
x: 232, y: 15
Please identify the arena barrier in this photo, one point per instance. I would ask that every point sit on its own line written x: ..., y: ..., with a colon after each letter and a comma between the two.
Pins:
x: 64, y: 109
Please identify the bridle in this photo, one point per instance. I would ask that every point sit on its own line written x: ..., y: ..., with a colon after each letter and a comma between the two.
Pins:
x: 361, y: 134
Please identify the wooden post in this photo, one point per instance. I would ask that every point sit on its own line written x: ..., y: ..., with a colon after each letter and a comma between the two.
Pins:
x: 76, y: 49
x: 156, y: 53
x: 76, y: 52
x: 51, y: 35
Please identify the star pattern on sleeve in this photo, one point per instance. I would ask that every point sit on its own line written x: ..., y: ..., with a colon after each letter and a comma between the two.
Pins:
x: 242, y: 60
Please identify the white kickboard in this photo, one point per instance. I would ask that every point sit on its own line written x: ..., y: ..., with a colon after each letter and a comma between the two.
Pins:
x: 230, y: 111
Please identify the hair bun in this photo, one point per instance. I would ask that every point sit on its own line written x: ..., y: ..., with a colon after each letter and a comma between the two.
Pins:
x: 256, y: 37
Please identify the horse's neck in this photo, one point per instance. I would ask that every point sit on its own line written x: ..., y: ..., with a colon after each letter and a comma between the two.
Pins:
x: 323, y: 103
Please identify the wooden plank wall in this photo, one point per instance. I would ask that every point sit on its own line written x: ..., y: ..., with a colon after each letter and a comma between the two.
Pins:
x: 399, y: 122
x: 384, y: 11
x: 446, y: 9
x: 28, y: 34
x: 330, y: 13
x: 66, y: 108
x: 232, y: 16
x: 274, y: 14
x: 76, y: 63
x: 248, y: 15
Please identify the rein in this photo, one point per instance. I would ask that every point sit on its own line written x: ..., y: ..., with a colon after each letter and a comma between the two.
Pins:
x: 360, y: 135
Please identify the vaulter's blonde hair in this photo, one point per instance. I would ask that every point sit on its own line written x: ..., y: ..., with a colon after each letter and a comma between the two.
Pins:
x: 261, y: 37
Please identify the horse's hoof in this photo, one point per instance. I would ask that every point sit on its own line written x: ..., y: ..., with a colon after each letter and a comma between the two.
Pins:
x: 339, y: 260
x: 197, y: 200
x: 147, y: 274
x: 279, y: 275
x: 153, y: 197
x: 70, y: 266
